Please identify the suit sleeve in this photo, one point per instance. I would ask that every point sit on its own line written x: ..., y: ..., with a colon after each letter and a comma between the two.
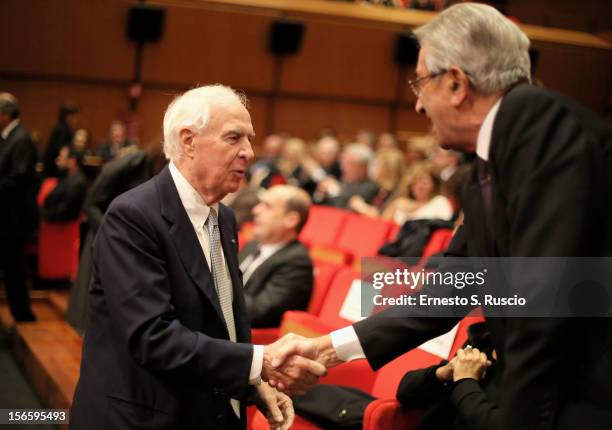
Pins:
x: 420, y: 389
x: 473, y: 406
x: 289, y: 287
x: 389, y: 334
x: 550, y: 175
x: 132, y: 270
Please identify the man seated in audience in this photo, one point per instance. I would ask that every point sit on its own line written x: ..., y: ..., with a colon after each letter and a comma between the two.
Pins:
x: 117, y: 140
x: 264, y: 172
x: 65, y: 201
x: 322, y: 164
x: 277, y: 270
x: 459, y: 394
x: 354, y: 163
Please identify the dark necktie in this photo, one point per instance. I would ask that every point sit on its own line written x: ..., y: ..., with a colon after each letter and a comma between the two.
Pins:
x: 249, y: 260
x: 484, y: 182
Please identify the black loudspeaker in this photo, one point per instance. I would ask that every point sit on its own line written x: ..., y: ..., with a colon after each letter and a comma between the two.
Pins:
x: 406, y: 50
x: 145, y: 23
x: 534, y: 57
x: 285, y: 37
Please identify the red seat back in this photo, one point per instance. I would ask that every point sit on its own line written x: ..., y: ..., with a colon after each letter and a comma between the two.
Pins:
x: 362, y: 236
x: 338, y: 290
x: 438, y: 242
x: 323, y: 276
x: 323, y: 226
x: 58, y: 249
x: 45, y: 188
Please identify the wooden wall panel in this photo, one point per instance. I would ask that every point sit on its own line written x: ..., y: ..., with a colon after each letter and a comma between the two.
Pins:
x: 154, y: 103
x: 74, y: 38
x: 305, y: 118
x: 343, y: 60
x: 204, y: 47
x: 40, y: 101
x: 409, y: 121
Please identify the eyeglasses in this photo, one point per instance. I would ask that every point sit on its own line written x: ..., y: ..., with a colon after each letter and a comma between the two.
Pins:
x: 417, y: 84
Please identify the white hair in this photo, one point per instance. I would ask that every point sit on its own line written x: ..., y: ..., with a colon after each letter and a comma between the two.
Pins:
x: 192, y: 111
x: 360, y: 151
x: 491, y: 49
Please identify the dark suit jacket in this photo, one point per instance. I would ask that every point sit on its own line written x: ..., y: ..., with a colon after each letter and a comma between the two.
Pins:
x: 282, y: 282
x: 551, y: 180
x: 156, y: 353
x: 367, y: 189
x: 65, y: 202
x: 17, y: 174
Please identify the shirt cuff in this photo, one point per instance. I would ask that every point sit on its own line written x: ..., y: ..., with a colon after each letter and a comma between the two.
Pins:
x: 346, y: 344
x: 256, y: 365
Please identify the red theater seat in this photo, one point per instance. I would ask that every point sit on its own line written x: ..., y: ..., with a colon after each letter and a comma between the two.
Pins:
x: 58, y: 249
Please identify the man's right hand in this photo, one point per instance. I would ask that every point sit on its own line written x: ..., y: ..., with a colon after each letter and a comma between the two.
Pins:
x: 290, y: 364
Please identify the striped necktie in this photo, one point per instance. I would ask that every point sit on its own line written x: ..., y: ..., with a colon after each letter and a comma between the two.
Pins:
x: 223, y: 283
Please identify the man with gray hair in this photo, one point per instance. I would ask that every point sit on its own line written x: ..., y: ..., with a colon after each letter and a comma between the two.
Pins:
x: 17, y: 163
x: 354, y: 181
x: 541, y: 187
x: 167, y: 343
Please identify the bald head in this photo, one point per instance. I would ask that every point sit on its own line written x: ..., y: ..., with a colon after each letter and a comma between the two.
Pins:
x: 281, y: 214
x: 9, y: 109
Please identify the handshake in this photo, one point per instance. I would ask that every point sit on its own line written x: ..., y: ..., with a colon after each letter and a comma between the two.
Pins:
x: 294, y: 363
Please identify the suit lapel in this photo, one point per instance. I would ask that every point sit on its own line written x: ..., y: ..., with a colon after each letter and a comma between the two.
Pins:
x: 185, y: 239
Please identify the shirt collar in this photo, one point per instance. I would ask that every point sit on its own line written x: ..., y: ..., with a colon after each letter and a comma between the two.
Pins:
x: 11, y: 125
x: 269, y: 249
x: 194, y: 204
x: 483, y: 143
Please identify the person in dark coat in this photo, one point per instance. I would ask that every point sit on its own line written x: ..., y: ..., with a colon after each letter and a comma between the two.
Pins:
x: 61, y: 135
x: 17, y: 164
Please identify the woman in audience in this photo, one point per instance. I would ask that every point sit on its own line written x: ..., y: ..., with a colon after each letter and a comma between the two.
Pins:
x: 290, y: 163
x: 422, y: 199
x: 389, y: 169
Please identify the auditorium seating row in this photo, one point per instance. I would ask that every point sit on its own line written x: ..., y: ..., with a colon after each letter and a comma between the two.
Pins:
x: 337, y: 240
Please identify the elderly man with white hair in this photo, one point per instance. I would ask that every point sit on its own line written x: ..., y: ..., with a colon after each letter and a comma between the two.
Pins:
x: 541, y: 187
x: 167, y: 344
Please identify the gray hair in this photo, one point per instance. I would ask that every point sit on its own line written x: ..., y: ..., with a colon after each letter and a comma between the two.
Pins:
x: 192, y: 111
x: 360, y: 151
x: 9, y: 105
x: 491, y: 49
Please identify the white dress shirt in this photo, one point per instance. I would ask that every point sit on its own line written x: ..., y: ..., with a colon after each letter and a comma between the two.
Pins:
x: 345, y: 341
x: 197, y: 211
x: 250, y: 264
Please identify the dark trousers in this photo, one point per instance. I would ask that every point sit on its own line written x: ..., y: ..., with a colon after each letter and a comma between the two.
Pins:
x: 12, y: 265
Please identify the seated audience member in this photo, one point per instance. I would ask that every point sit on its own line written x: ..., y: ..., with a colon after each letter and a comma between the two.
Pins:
x: 290, y: 163
x: 386, y: 141
x: 264, y: 171
x: 354, y: 164
x: 277, y: 270
x: 422, y: 198
x: 61, y: 135
x: 243, y: 201
x: 417, y: 149
x: 324, y: 163
x: 389, y: 169
x: 117, y: 140
x: 366, y: 137
x: 65, y: 201
x: 461, y: 394
x: 80, y: 142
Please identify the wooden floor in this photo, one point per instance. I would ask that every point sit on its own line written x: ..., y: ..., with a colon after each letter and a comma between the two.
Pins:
x: 48, y: 350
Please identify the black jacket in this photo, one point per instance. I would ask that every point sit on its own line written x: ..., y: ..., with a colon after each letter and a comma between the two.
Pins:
x: 156, y: 353
x: 551, y: 182
x: 17, y: 175
x: 282, y: 282
x: 64, y: 202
